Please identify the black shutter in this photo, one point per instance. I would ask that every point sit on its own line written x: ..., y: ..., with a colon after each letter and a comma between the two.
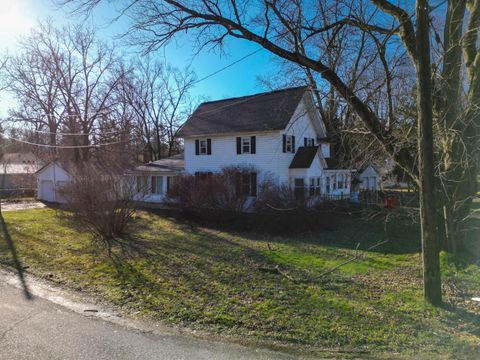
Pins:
x: 239, y: 145
x: 253, y: 145
x: 305, y: 142
x: 284, y: 145
x: 209, y: 146
x: 197, y: 147
x: 168, y: 183
x: 293, y: 144
x: 253, y: 184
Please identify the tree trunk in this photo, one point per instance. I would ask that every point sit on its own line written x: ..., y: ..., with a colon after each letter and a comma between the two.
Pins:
x: 430, y: 246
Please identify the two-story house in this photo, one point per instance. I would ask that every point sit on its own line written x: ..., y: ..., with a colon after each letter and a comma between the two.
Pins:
x: 279, y: 133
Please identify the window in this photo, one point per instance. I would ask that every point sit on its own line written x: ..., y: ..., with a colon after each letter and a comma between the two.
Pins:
x: 202, y: 175
x: 246, y: 184
x: 141, y: 184
x: 288, y: 143
x: 157, y: 184
x: 203, y: 146
x: 309, y: 142
x: 299, y: 188
x: 315, y: 186
x: 340, y: 181
x: 245, y: 145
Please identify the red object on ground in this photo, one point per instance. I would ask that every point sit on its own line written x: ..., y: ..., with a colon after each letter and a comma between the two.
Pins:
x: 390, y: 201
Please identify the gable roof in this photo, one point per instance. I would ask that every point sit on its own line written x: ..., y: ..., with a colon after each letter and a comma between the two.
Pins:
x: 303, y: 157
x: 260, y: 112
x: 82, y: 167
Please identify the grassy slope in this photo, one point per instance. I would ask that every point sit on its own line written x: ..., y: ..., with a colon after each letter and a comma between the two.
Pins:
x: 221, y: 282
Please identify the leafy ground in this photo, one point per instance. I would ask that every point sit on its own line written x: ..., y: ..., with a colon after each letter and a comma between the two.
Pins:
x: 263, y: 288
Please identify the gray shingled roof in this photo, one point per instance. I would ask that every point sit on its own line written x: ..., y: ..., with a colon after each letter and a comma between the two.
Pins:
x: 168, y: 165
x: 303, y: 157
x: 260, y: 112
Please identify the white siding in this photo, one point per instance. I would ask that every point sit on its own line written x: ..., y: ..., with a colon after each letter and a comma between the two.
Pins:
x: 269, y: 158
x: 369, y: 179
x: 57, y: 176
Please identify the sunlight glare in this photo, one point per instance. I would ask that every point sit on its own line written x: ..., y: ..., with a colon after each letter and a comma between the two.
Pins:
x: 14, y: 20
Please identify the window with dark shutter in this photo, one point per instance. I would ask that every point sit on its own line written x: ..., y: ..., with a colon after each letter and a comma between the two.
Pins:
x: 284, y: 143
x: 239, y: 145
x: 253, y: 145
x: 197, y: 147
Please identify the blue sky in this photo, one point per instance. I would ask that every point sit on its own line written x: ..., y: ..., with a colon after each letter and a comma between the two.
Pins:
x: 241, y: 79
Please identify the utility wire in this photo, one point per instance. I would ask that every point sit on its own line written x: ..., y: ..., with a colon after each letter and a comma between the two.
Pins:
x: 60, y: 146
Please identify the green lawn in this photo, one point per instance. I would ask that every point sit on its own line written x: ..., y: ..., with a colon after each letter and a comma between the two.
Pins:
x: 227, y: 283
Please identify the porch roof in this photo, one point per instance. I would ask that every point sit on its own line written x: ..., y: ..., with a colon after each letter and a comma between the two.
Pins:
x: 303, y: 157
x: 172, y: 165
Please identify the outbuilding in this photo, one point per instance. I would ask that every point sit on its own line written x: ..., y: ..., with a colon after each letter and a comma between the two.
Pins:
x: 50, y: 179
x: 369, y: 178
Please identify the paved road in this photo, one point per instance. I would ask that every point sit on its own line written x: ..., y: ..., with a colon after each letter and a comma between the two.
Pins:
x: 41, y: 329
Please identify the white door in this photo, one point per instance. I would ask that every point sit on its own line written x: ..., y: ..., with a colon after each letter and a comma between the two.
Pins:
x: 47, y: 191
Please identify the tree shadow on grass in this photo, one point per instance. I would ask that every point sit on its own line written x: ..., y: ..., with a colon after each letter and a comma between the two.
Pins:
x: 16, y: 261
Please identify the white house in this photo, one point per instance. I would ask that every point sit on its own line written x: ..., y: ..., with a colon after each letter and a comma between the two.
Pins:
x: 279, y: 133
x: 369, y: 178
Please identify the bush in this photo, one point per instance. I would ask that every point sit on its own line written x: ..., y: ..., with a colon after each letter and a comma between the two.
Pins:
x: 214, y: 191
x: 101, y: 200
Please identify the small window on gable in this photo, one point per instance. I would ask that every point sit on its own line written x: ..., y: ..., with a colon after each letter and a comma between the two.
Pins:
x: 310, y: 142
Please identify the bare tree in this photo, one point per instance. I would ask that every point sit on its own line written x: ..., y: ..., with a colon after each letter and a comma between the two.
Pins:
x: 65, y: 81
x: 101, y: 198
x: 159, y: 96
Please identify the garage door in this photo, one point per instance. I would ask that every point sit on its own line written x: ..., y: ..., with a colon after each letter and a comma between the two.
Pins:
x: 47, y: 190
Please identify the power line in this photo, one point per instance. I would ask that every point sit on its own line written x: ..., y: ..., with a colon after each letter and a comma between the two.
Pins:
x: 60, y: 146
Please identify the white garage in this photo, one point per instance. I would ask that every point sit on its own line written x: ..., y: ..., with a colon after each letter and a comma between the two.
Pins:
x: 50, y: 179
